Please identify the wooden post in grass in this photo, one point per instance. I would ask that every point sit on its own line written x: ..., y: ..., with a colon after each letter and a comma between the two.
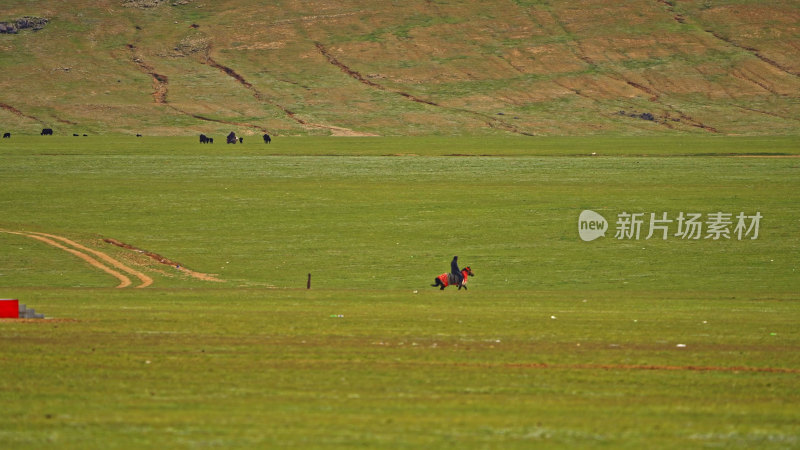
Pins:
x: 308, y: 284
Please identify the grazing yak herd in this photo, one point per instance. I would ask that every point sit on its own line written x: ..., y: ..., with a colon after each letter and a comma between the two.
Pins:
x: 231, y: 138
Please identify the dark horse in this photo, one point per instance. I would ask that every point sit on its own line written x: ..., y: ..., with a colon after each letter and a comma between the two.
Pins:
x: 457, y: 277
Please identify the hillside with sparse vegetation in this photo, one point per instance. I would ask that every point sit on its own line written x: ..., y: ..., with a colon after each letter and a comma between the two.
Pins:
x: 355, y: 67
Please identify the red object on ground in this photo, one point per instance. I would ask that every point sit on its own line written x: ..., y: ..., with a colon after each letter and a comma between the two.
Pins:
x: 9, y: 309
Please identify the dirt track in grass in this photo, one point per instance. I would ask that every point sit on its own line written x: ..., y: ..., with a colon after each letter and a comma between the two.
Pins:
x: 105, y: 263
x: 162, y: 260
x: 125, y: 274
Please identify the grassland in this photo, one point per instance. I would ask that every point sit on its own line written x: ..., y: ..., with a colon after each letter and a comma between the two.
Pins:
x: 354, y: 67
x: 196, y: 328
x: 557, y: 343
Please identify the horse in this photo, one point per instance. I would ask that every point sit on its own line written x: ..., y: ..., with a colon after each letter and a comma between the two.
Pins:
x: 446, y: 279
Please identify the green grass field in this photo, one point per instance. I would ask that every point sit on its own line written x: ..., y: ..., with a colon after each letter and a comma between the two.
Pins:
x: 558, y: 343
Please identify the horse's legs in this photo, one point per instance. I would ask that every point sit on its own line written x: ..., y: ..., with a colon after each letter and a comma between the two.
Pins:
x: 437, y: 282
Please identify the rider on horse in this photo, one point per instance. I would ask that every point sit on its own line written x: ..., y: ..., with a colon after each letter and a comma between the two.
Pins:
x: 456, y: 277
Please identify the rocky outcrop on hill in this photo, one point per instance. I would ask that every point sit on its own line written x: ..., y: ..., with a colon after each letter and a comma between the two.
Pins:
x: 198, y: 43
x: 24, y: 23
x: 141, y: 3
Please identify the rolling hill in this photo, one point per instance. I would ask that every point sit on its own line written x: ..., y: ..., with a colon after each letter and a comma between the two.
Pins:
x: 434, y: 67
